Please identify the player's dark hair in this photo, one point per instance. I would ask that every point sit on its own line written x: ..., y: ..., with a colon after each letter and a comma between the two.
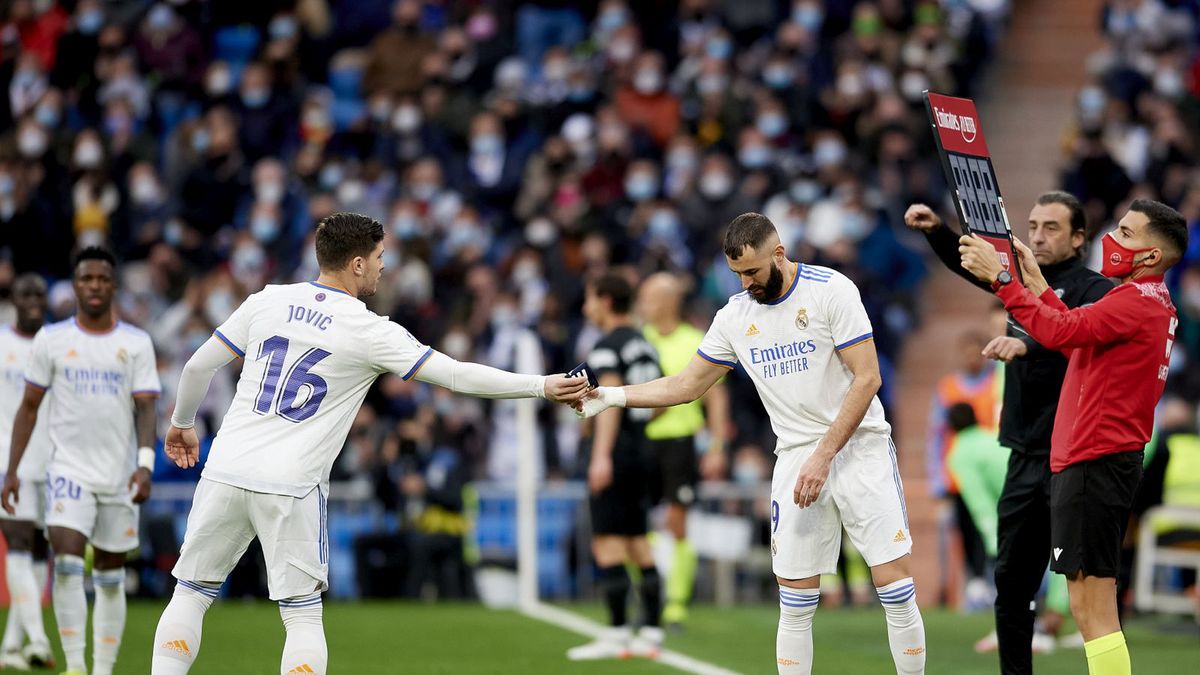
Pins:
x: 617, y: 289
x: 94, y: 253
x: 342, y: 237
x: 29, y: 279
x: 1165, y: 222
x: 749, y: 229
x: 961, y: 416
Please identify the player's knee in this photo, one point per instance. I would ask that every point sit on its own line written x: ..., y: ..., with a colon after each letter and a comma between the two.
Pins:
x: 301, y: 611
x: 68, y: 566
x: 109, y: 582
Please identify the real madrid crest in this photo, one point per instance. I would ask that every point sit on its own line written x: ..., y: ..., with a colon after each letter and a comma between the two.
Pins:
x: 774, y: 547
x: 122, y: 355
x: 802, y: 319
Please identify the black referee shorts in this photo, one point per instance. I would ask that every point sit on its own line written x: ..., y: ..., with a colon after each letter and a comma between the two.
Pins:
x: 623, y: 508
x: 1090, y: 504
x: 674, y: 470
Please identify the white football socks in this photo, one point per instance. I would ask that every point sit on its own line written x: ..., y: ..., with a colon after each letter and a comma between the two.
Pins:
x: 14, y: 634
x: 906, y: 630
x: 177, y: 638
x: 70, y: 609
x: 108, y: 619
x: 793, y: 642
x: 26, y: 600
x: 304, y: 650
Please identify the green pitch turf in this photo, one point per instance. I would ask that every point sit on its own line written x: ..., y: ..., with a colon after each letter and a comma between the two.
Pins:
x: 457, y: 639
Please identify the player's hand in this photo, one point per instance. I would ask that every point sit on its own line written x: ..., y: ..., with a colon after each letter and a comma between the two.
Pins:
x: 598, y: 400
x: 922, y: 218
x: 139, y: 483
x: 1031, y: 274
x: 9, y: 495
x: 813, y: 474
x: 1005, y: 349
x: 600, y: 473
x: 563, y: 389
x: 979, y: 258
x: 182, y: 447
x: 713, y: 464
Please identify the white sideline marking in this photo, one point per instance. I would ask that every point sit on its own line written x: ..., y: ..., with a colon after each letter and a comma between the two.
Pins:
x: 578, y: 624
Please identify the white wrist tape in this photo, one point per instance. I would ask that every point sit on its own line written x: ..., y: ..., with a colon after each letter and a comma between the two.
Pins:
x: 145, y: 459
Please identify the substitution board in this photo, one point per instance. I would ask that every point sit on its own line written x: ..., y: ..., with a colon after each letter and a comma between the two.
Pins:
x: 968, y: 167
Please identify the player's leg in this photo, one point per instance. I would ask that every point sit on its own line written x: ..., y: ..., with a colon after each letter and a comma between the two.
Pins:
x: 1022, y: 552
x: 218, y: 532
x: 25, y: 610
x: 650, y: 635
x: 1090, y: 504
x: 70, y: 602
x: 804, y: 545
x: 115, y: 535
x: 295, y: 543
x: 39, y: 654
x: 679, y: 477
x: 865, y: 481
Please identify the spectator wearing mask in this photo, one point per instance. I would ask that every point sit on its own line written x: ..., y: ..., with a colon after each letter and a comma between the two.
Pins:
x: 394, y: 56
x: 645, y: 104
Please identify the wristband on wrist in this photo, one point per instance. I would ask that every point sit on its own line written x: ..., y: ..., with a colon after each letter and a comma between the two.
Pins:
x: 145, y: 459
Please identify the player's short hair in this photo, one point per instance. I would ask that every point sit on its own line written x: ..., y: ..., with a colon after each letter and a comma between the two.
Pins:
x: 617, y: 289
x: 342, y: 237
x: 749, y: 229
x: 961, y: 416
x: 1165, y: 223
x: 1074, y: 207
x: 29, y: 279
x: 94, y: 253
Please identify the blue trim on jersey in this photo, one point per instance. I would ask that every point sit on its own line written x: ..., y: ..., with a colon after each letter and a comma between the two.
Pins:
x: 229, y: 343
x: 417, y: 366
x: 853, y: 341
x: 791, y: 288
x: 716, y: 362
x: 329, y: 288
x: 814, y: 272
x: 43, y: 387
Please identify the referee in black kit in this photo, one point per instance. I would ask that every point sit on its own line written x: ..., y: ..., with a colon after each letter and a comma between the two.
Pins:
x: 1033, y: 376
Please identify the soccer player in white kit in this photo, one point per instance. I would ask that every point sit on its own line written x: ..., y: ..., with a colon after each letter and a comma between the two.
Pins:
x: 25, y: 562
x: 311, y: 351
x: 100, y: 377
x: 802, y: 334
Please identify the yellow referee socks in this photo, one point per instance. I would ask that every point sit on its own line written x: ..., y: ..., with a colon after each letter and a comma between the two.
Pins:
x: 1108, y: 655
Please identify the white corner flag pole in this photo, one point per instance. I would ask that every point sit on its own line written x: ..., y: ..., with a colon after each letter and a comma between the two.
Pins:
x: 527, y: 463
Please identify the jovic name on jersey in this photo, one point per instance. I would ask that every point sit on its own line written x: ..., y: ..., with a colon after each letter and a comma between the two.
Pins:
x: 91, y: 380
x: 311, y: 353
x: 14, y: 356
x: 790, y: 346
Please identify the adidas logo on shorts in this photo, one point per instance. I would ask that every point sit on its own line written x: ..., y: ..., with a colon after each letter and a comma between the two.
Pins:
x: 302, y: 668
x: 899, y: 537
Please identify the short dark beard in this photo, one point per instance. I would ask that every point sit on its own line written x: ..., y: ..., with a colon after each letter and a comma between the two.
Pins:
x: 773, y: 288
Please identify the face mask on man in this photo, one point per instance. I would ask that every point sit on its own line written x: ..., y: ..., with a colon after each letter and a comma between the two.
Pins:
x: 1118, y: 260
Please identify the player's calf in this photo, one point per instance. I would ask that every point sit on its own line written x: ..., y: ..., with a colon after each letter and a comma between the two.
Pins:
x: 304, y: 650
x: 793, y: 641
x: 108, y: 618
x: 906, y: 630
x: 177, y: 638
x: 70, y: 609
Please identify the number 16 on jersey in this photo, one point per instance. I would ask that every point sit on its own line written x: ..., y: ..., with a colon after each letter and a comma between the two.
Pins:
x: 302, y: 391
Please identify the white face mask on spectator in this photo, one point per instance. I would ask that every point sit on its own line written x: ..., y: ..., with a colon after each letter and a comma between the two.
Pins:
x: 716, y: 184
x: 219, y: 82
x: 407, y: 118
x: 269, y: 192
x: 88, y: 155
x: 265, y: 228
x: 144, y: 191
x: 351, y: 192
x: 31, y: 142
x: 648, y: 81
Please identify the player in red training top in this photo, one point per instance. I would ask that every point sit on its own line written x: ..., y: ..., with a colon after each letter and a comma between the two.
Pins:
x: 1118, y: 351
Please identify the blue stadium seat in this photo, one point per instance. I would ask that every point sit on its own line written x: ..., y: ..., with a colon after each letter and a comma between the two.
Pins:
x: 345, y: 81
x: 236, y: 44
x: 346, y: 112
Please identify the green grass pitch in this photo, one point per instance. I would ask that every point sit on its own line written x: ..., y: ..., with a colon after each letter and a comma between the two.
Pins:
x: 380, y: 637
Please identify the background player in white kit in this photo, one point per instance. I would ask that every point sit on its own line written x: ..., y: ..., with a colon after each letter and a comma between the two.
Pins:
x: 311, y: 352
x: 803, y: 336
x: 101, y: 378
x: 25, y: 562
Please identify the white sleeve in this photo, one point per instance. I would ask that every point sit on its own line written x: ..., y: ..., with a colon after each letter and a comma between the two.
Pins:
x: 145, y: 370
x: 474, y: 379
x: 847, y: 317
x: 716, y: 347
x: 394, y: 349
x: 235, y: 332
x: 194, y: 381
x: 40, y: 370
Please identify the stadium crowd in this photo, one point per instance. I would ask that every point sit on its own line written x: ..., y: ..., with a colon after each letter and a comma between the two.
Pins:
x: 512, y: 150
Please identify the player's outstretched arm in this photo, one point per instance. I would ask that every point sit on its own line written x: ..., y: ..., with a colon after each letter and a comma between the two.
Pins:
x: 27, y: 414
x: 474, y: 379
x: 941, y: 238
x: 184, y: 448
x: 683, y: 387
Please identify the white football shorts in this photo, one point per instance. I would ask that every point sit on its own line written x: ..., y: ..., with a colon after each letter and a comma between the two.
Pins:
x: 862, y: 494
x: 292, y: 531
x: 109, y: 521
x: 31, y: 503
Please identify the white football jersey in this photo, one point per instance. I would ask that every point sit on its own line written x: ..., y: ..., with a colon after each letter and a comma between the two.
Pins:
x: 14, y: 350
x: 789, y: 347
x: 310, y: 354
x: 92, y: 379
